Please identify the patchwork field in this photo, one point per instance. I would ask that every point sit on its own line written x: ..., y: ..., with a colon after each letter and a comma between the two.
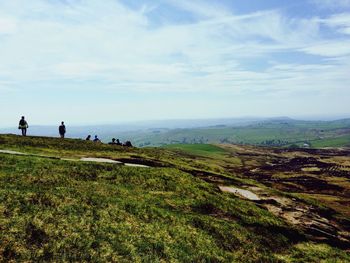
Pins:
x: 281, y: 133
x: 189, y: 203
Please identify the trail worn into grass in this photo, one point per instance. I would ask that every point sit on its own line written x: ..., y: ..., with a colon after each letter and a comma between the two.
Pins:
x: 84, y: 159
x: 240, y: 192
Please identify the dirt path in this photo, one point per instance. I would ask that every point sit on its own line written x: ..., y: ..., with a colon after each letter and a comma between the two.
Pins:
x: 85, y: 159
x: 99, y: 160
x: 12, y: 152
x: 240, y: 192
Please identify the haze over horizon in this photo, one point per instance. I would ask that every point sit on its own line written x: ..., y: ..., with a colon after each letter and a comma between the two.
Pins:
x: 85, y: 61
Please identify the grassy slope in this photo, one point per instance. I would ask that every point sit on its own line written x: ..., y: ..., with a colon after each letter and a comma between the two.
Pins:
x: 332, y: 142
x: 198, y: 149
x: 54, y: 210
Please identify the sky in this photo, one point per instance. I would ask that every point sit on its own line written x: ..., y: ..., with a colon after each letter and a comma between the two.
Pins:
x: 111, y: 61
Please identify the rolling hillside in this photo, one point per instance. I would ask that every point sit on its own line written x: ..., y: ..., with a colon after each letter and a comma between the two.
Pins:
x: 188, y: 203
x: 279, y: 132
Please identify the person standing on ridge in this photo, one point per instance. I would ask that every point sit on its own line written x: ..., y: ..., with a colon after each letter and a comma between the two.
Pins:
x: 62, y: 130
x: 23, y: 125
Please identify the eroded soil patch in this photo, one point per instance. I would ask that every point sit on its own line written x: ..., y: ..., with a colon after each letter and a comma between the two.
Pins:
x: 141, y: 162
x: 307, y: 172
x: 317, y: 225
x: 240, y: 192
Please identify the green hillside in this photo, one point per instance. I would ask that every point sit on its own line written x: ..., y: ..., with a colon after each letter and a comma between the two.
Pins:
x: 54, y: 207
x: 268, y: 133
x: 198, y: 149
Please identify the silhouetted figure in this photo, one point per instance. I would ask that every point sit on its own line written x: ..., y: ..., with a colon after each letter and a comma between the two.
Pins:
x: 23, y: 125
x: 88, y: 138
x: 127, y: 144
x: 96, y: 139
x: 113, y: 142
x: 62, y: 129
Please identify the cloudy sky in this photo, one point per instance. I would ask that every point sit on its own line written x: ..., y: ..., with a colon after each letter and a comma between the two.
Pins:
x: 92, y: 61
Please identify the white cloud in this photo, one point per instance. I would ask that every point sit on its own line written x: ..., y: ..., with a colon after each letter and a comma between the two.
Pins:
x: 110, y: 47
x: 201, y: 8
x: 77, y: 41
x: 340, y: 22
x: 329, y: 48
x: 331, y: 4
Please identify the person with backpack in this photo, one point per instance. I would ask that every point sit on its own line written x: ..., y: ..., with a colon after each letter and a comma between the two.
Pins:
x: 23, y: 125
x: 62, y: 130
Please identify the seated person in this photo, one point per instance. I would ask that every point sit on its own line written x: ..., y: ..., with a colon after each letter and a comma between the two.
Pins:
x: 96, y: 139
x: 113, y: 142
x: 127, y: 144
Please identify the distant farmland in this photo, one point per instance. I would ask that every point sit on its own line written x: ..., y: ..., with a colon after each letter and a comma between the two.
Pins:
x: 287, y: 133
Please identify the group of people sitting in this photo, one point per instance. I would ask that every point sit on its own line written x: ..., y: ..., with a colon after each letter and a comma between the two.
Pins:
x: 113, y: 142
x: 23, y: 126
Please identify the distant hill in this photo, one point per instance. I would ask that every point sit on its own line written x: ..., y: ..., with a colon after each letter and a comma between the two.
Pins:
x: 107, y: 131
x: 280, y: 132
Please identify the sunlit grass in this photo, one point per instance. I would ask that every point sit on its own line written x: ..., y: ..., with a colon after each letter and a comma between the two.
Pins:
x: 56, y: 210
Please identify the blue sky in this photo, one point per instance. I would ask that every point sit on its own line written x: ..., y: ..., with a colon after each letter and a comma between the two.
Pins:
x: 86, y: 61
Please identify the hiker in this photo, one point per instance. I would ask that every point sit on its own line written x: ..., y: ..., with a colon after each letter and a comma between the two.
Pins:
x: 127, y: 144
x: 62, y: 130
x: 88, y: 138
x: 23, y: 125
x: 118, y: 143
x: 96, y: 139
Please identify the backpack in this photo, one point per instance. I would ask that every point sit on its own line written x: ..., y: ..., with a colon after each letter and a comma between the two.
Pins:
x: 62, y: 129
